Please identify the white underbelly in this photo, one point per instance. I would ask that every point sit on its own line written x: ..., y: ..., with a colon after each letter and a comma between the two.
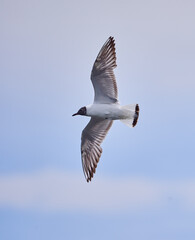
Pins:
x: 107, y: 111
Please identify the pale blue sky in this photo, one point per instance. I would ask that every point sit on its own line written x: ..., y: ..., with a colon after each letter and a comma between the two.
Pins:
x: 144, y: 187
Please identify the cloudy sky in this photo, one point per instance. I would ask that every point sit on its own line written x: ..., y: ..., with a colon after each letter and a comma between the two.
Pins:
x: 144, y: 186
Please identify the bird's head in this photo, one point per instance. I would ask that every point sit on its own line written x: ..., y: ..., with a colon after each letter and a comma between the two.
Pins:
x: 82, y: 111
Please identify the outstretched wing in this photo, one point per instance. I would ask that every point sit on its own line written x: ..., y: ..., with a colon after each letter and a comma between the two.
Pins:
x: 92, y: 136
x: 102, y: 75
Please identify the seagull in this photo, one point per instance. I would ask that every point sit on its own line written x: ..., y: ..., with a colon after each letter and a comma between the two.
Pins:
x: 104, y: 109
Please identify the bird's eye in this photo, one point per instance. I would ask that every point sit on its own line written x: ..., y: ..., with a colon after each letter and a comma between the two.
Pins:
x: 83, y: 109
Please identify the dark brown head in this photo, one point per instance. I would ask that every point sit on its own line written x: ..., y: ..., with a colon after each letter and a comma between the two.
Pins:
x: 82, y: 111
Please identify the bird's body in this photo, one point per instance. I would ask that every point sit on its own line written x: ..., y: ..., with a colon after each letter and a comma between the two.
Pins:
x: 104, y: 110
x: 113, y: 111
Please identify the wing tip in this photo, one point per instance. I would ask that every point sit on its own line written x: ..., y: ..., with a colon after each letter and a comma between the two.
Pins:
x: 112, y: 43
x: 90, y: 171
x: 111, y: 38
x: 90, y: 174
x: 109, y: 51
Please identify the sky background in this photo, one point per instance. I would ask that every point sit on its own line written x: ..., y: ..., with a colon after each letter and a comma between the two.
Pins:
x: 144, y: 186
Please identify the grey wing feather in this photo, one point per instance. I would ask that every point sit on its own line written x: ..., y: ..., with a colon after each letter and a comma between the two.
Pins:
x: 92, y: 137
x: 102, y: 75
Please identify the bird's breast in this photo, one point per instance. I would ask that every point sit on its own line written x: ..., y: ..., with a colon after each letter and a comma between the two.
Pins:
x: 105, y: 111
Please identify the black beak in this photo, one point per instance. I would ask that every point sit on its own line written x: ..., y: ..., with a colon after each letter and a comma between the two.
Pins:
x: 74, y: 114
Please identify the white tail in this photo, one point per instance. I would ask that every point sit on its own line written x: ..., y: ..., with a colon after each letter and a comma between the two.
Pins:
x: 133, y: 109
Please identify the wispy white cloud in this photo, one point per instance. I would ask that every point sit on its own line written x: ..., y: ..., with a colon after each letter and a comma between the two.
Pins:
x: 55, y: 190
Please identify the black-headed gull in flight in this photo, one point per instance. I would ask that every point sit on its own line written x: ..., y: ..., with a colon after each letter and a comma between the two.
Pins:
x: 104, y: 109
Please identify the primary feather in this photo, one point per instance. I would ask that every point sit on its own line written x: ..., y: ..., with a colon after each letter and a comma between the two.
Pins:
x: 92, y: 136
x: 102, y: 75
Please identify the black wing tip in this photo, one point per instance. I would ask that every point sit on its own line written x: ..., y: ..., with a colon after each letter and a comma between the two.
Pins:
x: 106, y: 53
x: 110, y: 43
x: 89, y: 178
x: 90, y: 173
x: 111, y: 38
x: 136, y: 115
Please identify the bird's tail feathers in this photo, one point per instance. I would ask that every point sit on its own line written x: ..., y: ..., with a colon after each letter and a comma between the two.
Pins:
x: 131, y: 121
